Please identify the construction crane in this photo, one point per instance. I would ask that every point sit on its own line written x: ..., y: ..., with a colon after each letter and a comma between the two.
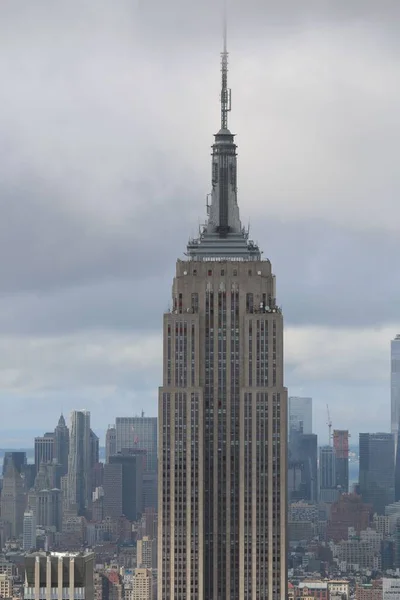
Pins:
x: 329, y: 423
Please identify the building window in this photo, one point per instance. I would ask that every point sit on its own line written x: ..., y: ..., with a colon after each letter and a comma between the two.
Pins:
x: 235, y: 272
x: 209, y: 272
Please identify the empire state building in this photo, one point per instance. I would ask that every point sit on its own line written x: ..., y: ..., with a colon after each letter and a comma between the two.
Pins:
x: 223, y: 409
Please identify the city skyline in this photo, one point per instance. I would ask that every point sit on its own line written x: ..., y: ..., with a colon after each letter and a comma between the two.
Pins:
x: 79, y: 319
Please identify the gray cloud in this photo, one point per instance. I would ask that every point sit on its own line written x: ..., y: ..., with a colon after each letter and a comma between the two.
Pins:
x: 107, y: 117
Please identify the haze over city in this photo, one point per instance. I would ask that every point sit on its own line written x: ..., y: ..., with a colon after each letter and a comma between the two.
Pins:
x: 106, y: 123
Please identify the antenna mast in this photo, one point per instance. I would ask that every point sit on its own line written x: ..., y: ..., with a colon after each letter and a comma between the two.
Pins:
x: 225, y: 91
x: 329, y: 423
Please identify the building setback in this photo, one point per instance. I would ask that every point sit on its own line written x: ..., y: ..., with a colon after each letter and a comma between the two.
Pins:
x: 223, y: 410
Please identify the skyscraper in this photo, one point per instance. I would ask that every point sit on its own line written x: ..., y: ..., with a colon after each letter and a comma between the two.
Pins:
x: 223, y: 409
x: 13, y: 499
x: 341, y: 445
x: 327, y: 472
x: 123, y: 486
x: 300, y: 414
x: 18, y: 459
x: 29, y: 531
x: 139, y: 433
x: 377, y: 469
x: 49, y: 508
x: 395, y: 384
x: 61, y: 444
x: 327, y: 475
x: 79, y: 462
x: 44, y: 449
x: 305, y: 458
x: 111, y: 442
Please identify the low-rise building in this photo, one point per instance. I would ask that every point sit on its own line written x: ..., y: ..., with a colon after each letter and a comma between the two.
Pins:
x: 369, y: 591
x: 338, y: 588
x: 315, y: 590
x: 390, y: 589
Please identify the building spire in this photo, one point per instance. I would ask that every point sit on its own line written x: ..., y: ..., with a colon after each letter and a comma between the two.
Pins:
x: 225, y: 91
x: 223, y: 236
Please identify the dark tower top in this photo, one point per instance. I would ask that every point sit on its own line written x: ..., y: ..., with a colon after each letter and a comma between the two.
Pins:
x: 223, y: 236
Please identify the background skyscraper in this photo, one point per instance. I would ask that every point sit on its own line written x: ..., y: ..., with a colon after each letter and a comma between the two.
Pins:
x: 300, y: 414
x: 341, y: 446
x: 79, y: 462
x: 327, y: 471
x: 61, y: 444
x: 223, y: 410
x: 327, y: 475
x: 141, y: 433
x: 377, y: 469
x: 304, y: 460
x: 111, y: 442
x: 17, y: 459
x: 395, y: 384
x: 123, y: 486
x: 29, y: 531
x: 44, y: 449
x: 13, y: 499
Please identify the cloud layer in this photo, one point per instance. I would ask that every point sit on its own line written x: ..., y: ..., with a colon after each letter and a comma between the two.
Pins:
x: 107, y: 115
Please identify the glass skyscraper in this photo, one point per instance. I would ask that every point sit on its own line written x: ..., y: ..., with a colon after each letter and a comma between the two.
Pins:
x: 138, y: 433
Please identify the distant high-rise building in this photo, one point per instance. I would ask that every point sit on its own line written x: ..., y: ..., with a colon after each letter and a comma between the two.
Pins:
x: 395, y: 384
x: 96, y: 469
x: 48, y: 477
x: 79, y: 462
x: 123, y: 486
x: 140, y: 433
x: 303, y: 466
x: 223, y: 410
x: 147, y: 553
x: 377, y: 469
x: 327, y: 471
x: 328, y: 491
x: 150, y: 490
x: 44, y: 449
x: 111, y: 442
x: 18, y: 459
x: 300, y: 414
x: 13, y: 500
x: 61, y: 445
x: 49, y: 508
x: 29, y: 531
x: 341, y: 446
x: 59, y: 576
x: 94, y: 449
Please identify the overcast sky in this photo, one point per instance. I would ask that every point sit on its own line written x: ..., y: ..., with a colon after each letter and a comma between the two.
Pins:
x: 107, y: 111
